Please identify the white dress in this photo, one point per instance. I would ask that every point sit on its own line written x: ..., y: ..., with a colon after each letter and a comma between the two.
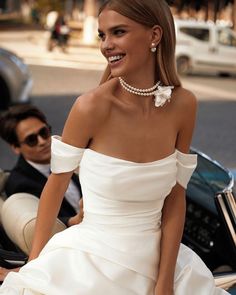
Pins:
x: 115, y: 249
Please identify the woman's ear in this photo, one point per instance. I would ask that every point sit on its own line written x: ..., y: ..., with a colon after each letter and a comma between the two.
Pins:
x: 156, y: 34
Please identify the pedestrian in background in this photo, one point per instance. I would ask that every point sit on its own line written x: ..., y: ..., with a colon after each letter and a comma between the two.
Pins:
x: 59, y: 34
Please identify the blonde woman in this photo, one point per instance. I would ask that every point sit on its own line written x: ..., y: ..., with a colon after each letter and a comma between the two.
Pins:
x: 130, y: 137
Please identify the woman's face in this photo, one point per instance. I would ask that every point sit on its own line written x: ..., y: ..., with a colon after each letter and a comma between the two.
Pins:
x: 125, y: 44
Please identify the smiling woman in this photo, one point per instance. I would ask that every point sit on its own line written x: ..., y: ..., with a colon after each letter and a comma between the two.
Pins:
x: 130, y: 138
x: 132, y: 25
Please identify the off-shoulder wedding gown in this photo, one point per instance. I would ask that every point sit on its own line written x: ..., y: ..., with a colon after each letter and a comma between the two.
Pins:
x: 115, y: 250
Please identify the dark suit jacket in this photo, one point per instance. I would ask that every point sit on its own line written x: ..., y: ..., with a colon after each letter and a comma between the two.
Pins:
x: 25, y: 178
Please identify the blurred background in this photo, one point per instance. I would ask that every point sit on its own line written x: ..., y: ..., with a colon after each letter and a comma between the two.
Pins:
x: 54, y: 54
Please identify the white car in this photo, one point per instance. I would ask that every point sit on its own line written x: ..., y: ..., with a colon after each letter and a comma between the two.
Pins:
x: 205, y: 47
x: 15, y: 79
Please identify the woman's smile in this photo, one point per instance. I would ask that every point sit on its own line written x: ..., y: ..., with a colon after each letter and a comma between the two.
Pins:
x: 115, y: 60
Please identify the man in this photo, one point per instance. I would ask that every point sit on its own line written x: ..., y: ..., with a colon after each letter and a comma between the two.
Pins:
x: 25, y: 129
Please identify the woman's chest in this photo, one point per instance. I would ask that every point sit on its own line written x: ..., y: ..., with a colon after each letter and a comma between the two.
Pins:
x: 137, y: 137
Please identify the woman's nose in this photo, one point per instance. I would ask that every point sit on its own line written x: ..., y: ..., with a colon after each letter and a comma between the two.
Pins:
x: 107, y: 44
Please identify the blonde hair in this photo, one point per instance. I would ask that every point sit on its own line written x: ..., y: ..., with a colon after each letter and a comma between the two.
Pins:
x: 150, y: 13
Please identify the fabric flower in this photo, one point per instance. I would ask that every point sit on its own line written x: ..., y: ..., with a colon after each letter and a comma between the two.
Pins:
x: 162, y: 94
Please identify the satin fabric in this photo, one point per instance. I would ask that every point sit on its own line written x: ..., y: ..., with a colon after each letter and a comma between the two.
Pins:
x: 115, y: 250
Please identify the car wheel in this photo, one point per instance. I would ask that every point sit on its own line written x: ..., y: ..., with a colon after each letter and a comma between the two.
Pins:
x: 5, y: 95
x: 183, y: 65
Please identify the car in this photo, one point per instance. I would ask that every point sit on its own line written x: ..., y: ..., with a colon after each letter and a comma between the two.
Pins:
x: 15, y: 79
x: 210, y: 224
x: 204, y: 47
x: 209, y: 227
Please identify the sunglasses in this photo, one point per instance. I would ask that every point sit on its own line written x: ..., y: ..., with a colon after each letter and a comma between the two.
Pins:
x: 32, y: 139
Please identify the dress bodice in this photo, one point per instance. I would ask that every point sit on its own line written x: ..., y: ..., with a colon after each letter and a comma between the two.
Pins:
x: 122, y: 194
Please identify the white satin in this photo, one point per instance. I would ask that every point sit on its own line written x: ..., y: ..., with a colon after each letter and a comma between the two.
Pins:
x: 115, y: 250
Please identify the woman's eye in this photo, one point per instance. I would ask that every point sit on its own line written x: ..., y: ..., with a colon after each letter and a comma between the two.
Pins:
x: 119, y: 32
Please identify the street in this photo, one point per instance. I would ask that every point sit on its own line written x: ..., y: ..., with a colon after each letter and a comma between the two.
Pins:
x: 59, y: 78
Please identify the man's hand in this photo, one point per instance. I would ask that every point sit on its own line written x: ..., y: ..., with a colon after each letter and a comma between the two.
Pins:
x: 5, y: 271
x: 78, y: 217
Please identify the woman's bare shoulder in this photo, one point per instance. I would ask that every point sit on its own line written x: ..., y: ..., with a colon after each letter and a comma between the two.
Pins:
x: 185, y: 111
x: 89, y: 112
x: 184, y: 98
x: 96, y: 102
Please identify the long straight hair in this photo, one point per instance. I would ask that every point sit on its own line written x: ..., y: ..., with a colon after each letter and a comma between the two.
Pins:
x: 150, y: 13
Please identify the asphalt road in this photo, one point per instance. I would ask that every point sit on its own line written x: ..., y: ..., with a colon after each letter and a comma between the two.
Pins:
x: 55, y: 90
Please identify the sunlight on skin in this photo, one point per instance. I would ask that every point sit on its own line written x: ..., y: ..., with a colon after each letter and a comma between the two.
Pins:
x: 5, y: 271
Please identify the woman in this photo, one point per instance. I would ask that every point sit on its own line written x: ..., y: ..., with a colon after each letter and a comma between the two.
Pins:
x: 132, y: 148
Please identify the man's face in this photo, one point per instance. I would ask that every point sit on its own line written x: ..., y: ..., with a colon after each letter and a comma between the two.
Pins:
x: 41, y: 151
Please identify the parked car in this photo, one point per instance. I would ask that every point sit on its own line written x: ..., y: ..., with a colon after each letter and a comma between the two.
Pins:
x: 209, y: 228
x: 205, y: 47
x: 15, y: 79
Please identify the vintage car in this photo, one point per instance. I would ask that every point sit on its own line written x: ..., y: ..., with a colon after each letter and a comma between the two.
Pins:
x: 209, y: 228
x: 15, y: 79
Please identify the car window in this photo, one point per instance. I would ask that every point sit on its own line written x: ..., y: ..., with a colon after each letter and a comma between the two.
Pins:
x: 226, y: 37
x: 207, y: 180
x: 197, y: 33
x: 211, y: 175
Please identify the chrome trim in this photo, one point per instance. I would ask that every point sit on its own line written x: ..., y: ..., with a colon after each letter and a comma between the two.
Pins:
x: 225, y: 280
x: 24, y: 95
x: 225, y: 211
x: 231, y: 176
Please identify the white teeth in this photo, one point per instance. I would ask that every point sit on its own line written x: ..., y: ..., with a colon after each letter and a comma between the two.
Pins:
x: 115, y: 58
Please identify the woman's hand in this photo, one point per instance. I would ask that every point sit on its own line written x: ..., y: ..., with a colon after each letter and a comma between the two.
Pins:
x: 5, y: 271
x: 78, y: 217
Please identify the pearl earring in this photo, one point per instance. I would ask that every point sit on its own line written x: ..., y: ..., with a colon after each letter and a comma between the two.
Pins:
x: 153, y: 48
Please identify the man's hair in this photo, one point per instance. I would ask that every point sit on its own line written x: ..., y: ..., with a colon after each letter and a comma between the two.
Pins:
x: 13, y: 116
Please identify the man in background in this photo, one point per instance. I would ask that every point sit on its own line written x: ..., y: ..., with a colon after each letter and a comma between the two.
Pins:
x: 26, y: 130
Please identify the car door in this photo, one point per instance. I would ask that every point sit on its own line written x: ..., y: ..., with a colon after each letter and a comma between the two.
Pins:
x: 226, y: 49
x: 199, y: 45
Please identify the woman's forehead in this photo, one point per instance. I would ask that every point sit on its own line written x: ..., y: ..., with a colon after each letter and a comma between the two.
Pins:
x: 109, y: 18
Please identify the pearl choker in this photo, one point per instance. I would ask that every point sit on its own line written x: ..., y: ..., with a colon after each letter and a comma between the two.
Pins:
x: 138, y: 91
x: 161, y: 93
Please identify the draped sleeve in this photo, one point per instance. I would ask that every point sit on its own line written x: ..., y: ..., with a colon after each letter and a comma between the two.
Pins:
x: 186, y: 164
x: 64, y: 157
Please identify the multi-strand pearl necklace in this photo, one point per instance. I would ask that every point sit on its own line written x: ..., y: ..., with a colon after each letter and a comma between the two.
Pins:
x: 139, y: 91
x: 161, y: 93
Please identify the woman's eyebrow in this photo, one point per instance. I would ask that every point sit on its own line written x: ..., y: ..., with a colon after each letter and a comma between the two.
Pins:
x: 114, y: 28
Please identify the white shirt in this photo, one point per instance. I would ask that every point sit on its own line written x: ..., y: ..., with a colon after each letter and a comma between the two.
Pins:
x: 72, y: 194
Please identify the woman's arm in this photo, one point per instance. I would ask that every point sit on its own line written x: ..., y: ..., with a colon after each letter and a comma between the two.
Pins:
x: 85, y: 118
x: 49, y: 206
x: 173, y: 216
x: 173, y: 213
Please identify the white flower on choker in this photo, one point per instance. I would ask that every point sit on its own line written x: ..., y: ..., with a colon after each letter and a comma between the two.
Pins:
x: 161, y: 93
